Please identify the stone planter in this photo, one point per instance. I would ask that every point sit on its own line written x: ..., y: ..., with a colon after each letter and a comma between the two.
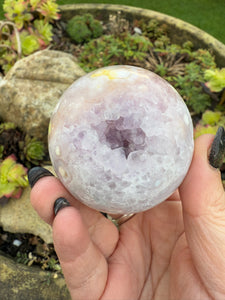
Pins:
x: 29, y: 283
x: 179, y: 31
x: 18, y: 281
x: 31, y: 111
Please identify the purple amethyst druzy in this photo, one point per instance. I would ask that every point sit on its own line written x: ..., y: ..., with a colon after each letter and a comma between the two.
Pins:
x: 121, y: 139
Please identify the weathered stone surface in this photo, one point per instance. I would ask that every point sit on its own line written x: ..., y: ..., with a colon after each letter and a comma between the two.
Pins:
x: 31, y: 89
x: 18, y: 281
x: 19, y: 216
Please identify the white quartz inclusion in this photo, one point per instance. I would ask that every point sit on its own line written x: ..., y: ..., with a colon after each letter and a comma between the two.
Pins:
x: 121, y: 139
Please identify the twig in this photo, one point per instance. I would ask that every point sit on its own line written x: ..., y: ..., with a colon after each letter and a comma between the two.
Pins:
x: 8, y: 23
x: 222, y: 98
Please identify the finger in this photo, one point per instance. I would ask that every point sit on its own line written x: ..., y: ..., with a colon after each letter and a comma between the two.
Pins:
x: 84, y: 267
x: 43, y: 195
x: 48, y: 189
x: 175, y: 196
x: 202, y: 187
x: 203, y: 201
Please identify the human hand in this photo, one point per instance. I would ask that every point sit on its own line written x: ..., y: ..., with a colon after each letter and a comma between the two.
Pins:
x: 172, y: 251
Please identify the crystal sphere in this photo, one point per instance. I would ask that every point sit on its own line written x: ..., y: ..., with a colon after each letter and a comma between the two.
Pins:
x: 121, y: 139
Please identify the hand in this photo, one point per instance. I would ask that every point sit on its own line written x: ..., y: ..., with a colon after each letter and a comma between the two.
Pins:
x: 175, y: 250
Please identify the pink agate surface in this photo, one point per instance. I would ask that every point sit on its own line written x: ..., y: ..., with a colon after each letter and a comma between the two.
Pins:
x: 121, y: 139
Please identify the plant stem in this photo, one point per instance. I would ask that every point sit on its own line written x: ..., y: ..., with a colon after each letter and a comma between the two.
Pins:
x: 222, y: 98
x: 8, y: 23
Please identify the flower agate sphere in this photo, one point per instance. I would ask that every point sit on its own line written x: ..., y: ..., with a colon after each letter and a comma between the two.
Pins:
x: 121, y: 139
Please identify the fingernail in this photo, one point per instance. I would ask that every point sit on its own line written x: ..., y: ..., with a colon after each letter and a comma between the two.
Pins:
x: 217, y: 152
x: 37, y: 173
x: 59, y: 204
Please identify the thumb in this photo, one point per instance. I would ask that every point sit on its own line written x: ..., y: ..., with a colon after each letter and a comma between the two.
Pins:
x: 203, y: 201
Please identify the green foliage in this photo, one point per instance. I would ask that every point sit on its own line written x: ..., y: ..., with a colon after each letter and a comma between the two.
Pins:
x: 21, y: 12
x: 29, y: 43
x: 10, y: 46
x: 82, y: 29
x: 110, y: 49
x: 209, y: 123
x: 26, y: 30
x: 33, y: 150
x: 43, y: 255
x: 200, y: 130
x: 189, y: 85
x: 47, y: 8
x: 7, y: 126
x: 203, y: 58
x: 52, y: 264
x: 153, y: 30
x: 27, y: 149
x: 161, y: 69
x: 216, y: 79
x: 22, y: 258
x: 7, y: 60
x: 211, y: 117
x: 13, y: 177
x: 44, y: 30
x: 188, y: 45
x: 17, y: 12
x: 1, y: 151
x: 180, y: 65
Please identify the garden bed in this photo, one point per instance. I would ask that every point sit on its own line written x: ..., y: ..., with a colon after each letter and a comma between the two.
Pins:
x: 123, y: 35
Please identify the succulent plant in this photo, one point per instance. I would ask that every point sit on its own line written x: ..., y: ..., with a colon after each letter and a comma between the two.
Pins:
x: 33, y: 150
x: 13, y: 178
x: 215, y: 79
x: 204, y: 129
x: 44, y: 30
x: 18, y: 12
x: 84, y: 28
x: 48, y: 8
x: 10, y: 136
x: 209, y: 123
x: 6, y: 126
x: 32, y: 30
x: 28, y: 150
x: 211, y: 117
x: 29, y: 43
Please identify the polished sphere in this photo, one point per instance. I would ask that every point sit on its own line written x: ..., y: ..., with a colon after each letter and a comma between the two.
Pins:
x: 121, y: 139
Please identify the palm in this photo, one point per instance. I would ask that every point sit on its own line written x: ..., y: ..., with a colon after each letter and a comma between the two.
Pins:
x: 151, y: 259
x: 154, y: 256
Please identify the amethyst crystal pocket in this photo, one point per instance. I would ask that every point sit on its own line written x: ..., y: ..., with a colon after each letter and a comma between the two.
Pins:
x: 121, y: 139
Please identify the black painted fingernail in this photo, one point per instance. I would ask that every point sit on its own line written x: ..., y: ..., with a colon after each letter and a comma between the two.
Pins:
x: 217, y: 152
x: 37, y: 173
x: 59, y: 204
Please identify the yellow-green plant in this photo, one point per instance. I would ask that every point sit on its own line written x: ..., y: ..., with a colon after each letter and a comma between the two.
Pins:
x: 13, y: 178
x: 27, y: 28
x: 209, y: 123
x: 216, y: 82
x: 215, y: 79
x: 21, y: 12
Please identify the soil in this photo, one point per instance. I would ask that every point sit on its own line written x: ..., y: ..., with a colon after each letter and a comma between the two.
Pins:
x: 28, y: 249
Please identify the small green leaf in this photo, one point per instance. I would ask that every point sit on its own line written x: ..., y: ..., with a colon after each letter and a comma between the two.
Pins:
x: 216, y: 79
x: 211, y: 117
x: 13, y: 177
x: 29, y: 43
